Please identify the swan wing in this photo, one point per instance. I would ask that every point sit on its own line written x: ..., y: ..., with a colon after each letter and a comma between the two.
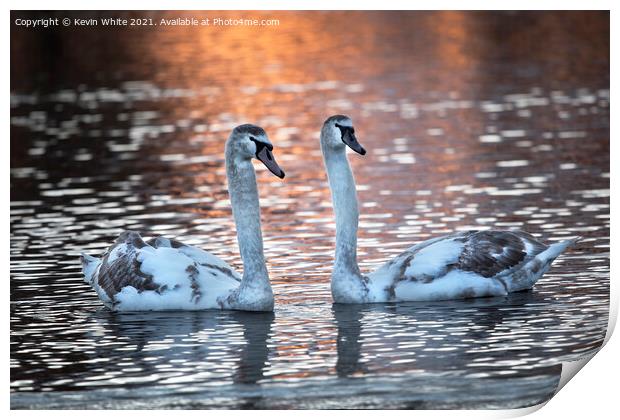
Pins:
x: 199, y: 256
x: 160, y: 274
x: 496, y: 253
x: 465, y: 264
x: 119, y: 267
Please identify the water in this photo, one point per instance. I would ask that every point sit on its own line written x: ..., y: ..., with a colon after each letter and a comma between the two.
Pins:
x: 470, y: 120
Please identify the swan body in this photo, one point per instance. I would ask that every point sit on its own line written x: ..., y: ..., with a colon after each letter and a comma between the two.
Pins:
x: 457, y: 266
x: 159, y: 274
x: 165, y: 274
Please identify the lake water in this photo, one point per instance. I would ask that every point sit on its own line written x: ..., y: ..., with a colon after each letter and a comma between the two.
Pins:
x: 471, y: 120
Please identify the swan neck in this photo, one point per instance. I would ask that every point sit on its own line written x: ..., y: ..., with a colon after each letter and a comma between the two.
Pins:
x: 344, y: 199
x: 246, y: 212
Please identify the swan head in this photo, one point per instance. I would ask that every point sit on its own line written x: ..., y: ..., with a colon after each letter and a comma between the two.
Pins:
x: 338, y: 132
x: 249, y: 141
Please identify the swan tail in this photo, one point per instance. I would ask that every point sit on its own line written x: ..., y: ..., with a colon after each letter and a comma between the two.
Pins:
x: 89, y: 266
x: 529, y: 274
x: 556, y: 249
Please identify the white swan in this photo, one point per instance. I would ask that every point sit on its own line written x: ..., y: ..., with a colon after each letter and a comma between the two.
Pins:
x: 164, y: 274
x: 461, y: 265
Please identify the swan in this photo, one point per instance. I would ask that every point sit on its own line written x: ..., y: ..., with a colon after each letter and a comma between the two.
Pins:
x: 456, y: 266
x: 165, y: 274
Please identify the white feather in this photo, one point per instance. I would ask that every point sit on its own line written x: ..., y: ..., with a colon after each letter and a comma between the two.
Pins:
x: 432, y: 260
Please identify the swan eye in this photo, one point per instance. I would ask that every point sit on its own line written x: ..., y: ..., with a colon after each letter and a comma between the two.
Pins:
x: 261, y: 144
x: 344, y: 129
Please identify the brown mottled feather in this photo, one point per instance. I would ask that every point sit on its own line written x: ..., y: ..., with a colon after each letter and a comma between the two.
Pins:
x: 488, y: 253
x: 125, y: 269
x: 161, y: 242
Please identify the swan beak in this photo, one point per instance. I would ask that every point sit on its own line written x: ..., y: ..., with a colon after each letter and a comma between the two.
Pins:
x: 264, y: 155
x: 349, y: 139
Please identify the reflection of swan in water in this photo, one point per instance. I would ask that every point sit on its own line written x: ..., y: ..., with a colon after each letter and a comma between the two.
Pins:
x: 349, y: 346
x: 408, y: 359
x: 254, y: 355
x: 438, y: 337
x: 192, y: 342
